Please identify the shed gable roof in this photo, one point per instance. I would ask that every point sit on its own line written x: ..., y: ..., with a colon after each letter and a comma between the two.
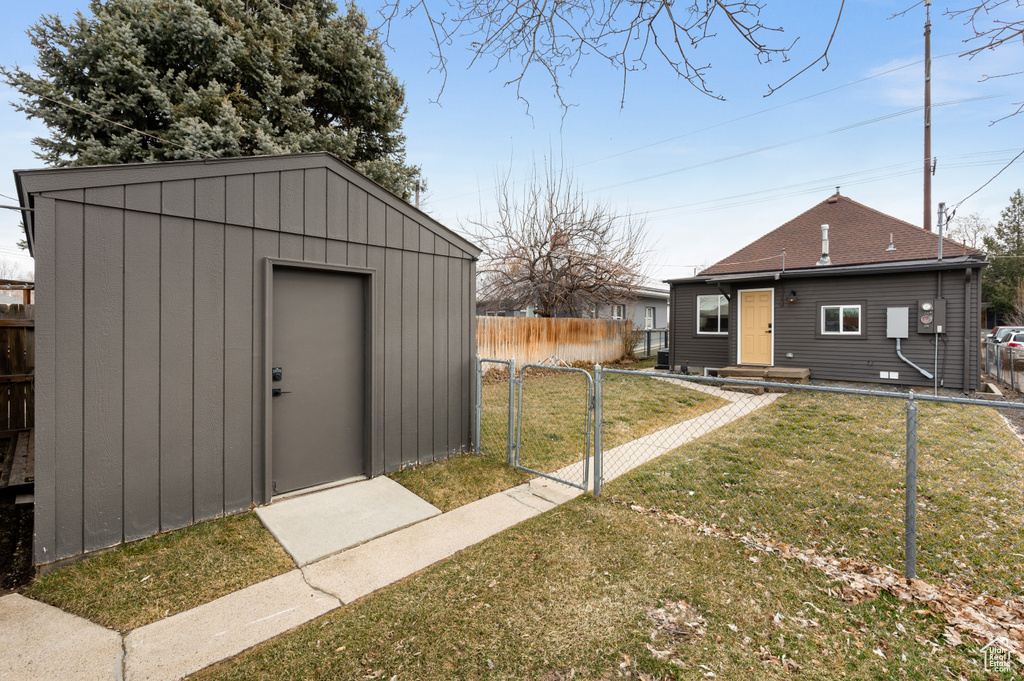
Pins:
x: 76, y: 179
x: 858, y: 235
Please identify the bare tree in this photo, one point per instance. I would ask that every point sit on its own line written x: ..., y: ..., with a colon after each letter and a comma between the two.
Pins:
x: 550, y: 247
x: 970, y: 230
x: 992, y: 24
x: 555, y: 35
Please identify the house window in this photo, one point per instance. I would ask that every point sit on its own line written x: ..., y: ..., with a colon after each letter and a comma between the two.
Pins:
x: 648, y: 317
x: 618, y: 311
x: 840, y: 320
x: 713, y: 314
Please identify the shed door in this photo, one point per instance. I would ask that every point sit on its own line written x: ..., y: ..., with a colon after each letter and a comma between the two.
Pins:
x: 756, y: 327
x: 319, y: 343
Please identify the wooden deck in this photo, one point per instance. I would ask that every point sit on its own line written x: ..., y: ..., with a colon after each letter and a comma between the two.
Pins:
x: 17, y: 458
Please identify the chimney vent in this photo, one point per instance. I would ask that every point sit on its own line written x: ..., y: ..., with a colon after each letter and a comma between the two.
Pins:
x: 825, y: 259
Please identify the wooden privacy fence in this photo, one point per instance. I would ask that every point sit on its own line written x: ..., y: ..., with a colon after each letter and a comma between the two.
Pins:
x: 534, y: 339
x: 17, y: 394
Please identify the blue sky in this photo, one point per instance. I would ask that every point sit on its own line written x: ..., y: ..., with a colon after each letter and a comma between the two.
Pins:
x: 710, y: 175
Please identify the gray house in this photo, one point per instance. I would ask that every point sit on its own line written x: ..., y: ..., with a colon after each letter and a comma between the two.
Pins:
x: 214, y: 333
x: 842, y: 290
x: 647, y: 310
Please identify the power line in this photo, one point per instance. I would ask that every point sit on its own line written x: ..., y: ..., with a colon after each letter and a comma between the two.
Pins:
x: 724, y: 123
x: 989, y: 181
x: 778, y: 145
x: 112, y: 122
x: 814, y: 186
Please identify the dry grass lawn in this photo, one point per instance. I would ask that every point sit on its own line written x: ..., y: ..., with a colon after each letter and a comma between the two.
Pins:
x: 148, y: 580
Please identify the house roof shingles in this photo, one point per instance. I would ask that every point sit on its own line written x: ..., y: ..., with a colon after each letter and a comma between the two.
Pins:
x: 857, y: 235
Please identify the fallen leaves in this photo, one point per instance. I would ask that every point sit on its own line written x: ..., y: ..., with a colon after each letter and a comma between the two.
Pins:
x: 984, y: 619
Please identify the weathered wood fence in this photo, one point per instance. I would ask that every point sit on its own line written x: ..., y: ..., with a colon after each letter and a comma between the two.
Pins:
x: 534, y: 339
x: 17, y: 394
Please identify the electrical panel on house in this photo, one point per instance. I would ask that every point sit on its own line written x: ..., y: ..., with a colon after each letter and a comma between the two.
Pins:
x: 931, y: 316
x: 897, y: 322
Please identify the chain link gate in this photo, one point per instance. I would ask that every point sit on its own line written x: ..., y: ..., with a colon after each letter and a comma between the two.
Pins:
x: 548, y: 398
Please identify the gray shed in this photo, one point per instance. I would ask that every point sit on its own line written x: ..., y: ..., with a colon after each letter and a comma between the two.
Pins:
x: 168, y: 296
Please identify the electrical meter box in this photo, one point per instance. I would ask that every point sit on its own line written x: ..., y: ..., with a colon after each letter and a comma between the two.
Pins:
x: 897, y: 322
x: 931, y: 316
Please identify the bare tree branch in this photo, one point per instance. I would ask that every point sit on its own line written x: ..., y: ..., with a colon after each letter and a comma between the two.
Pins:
x: 554, y: 35
x: 549, y: 246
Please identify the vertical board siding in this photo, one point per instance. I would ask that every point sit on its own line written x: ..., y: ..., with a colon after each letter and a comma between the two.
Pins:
x: 337, y: 207
x: 176, y: 357
x: 45, y: 526
x: 454, y: 356
x: 530, y: 340
x: 373, y: 258
x: 425, y: 359
x: 208, y: 372
x: 314, y: 202
x: 103, y: 413
x: 267, y: 201
x: 357, y: 215
x: 69, y: 251
x: 392, y: 311
x: 178, y: 198
x: 141, y: 375
x: 210, y: 199
x: 152, y: 347
x: 441, y: 294
x: 265, y: 245
x: 238, y: 208
x: 314, y: 249
x: 239, y: 336
x: 292, y: 199
x: 292, y: 246
x: 410, y: 357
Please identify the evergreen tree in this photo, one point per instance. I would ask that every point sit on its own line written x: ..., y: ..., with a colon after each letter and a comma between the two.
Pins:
x: 153, y: 80
x: 1006, y: 273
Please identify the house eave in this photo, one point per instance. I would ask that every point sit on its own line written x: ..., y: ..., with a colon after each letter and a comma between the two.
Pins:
x: 956, y: 263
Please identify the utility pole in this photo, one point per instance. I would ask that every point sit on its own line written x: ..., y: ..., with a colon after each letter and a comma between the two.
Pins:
x: 927, y: 115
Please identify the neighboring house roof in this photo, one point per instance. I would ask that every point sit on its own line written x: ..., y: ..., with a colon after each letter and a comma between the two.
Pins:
x: 652, y: 292
x: 858, y: 235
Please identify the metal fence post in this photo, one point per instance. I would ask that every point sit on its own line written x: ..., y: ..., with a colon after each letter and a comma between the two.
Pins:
x: 479, y: 404
x: 598, y: 453
x: 512, y: 422
x: 910, y: 515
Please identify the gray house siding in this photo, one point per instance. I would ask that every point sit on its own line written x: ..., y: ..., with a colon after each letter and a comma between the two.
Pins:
x: 797, y: 332
x: 151, y: 316
x: 686, y: 347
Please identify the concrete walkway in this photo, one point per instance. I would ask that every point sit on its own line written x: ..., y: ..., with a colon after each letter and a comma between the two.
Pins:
x: 43, y: 642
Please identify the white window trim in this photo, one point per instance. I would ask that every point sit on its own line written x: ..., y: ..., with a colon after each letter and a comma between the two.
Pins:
x: 618, y: 311
x: 648, y: 317
x: 711, y: 333
x: 840, y: 332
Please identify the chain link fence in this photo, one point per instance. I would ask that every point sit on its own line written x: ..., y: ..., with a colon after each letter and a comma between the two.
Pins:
x: 1005, y: 364
x: 823, y: 468
x: 826, y: 468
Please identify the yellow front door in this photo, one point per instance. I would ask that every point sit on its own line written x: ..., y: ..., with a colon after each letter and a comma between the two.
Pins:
x: 756, y: 327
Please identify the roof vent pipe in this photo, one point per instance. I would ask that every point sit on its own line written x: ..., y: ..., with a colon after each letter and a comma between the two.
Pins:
x: 825, y: 260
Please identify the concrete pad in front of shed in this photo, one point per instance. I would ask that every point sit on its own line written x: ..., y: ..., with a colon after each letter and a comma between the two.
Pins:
x: 376, y: 564
x: 183, y: 644
x: 43, y: 642
x: 320, y: 524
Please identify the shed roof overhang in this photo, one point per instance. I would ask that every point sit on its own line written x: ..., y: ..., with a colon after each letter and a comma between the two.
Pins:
x: 29, y: 183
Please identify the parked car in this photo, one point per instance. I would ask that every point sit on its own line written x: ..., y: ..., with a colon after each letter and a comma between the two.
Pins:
x: 1001, y: 333
x: 1015, y: 340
